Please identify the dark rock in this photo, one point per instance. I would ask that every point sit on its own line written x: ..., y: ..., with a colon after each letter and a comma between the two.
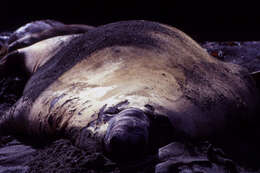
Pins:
x: 180, y: 157
x: 14, y: 156
x: 14, y: 169
x: 174, y: 149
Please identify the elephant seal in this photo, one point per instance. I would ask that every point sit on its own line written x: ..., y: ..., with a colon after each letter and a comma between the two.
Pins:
x: 30, y: 58
x: 33, y: 27
x: 31, y: 38
x: 109, y: 87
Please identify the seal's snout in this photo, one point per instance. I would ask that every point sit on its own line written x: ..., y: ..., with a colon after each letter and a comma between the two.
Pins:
x: 127, y: 135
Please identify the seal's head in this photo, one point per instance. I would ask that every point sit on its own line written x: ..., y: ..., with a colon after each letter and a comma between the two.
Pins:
x: 127, y: 135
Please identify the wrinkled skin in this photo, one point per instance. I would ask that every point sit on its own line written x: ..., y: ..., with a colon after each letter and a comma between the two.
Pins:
x: 130, y: 129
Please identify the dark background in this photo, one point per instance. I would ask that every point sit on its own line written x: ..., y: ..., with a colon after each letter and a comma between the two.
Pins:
x: 210, y: 20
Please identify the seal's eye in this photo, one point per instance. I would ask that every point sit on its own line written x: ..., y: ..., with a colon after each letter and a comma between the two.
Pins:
x: 127, y: 135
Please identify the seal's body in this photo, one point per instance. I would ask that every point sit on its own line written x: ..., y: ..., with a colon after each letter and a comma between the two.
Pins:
x: 105, y: 85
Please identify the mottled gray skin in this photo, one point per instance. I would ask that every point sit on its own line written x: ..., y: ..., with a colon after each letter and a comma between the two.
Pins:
x: 110, y: 86
x: 33, y: 36
x: 33, y: 27
x: 30, y: 58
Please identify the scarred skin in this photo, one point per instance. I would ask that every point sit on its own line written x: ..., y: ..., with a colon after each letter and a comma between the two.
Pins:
x: 106, y: 89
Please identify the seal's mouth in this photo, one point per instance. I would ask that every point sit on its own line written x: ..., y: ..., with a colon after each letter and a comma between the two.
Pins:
x: 127, y: 136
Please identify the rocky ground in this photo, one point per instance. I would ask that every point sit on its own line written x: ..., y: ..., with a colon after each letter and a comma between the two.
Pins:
x: 19, y: 155
x: 246, y: 54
